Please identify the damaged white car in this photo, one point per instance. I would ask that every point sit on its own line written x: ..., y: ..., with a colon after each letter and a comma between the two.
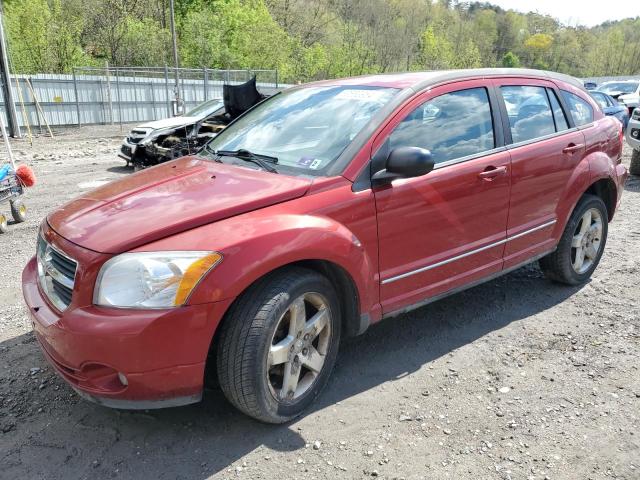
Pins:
x: 163, y: 140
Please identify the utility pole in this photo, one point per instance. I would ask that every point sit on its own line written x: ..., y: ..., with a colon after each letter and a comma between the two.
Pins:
x: 176, y: 87
x: 9, y: 104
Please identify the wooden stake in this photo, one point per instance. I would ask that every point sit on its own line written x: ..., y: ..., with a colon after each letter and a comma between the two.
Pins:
x: 24, y: 111
x: 38, y: 107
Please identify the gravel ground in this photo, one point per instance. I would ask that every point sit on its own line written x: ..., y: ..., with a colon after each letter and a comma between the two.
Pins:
x: 515, y: 379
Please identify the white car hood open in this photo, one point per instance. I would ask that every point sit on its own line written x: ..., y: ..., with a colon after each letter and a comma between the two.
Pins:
x: 171, y: 122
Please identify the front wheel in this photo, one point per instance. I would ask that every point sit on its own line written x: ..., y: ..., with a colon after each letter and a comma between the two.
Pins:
x: 634, y: 167
x: 581, y: 245
x: 278, y: 345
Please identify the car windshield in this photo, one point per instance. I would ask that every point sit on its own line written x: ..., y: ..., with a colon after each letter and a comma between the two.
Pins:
x: 619, y: 87
x: 204, y: 109
x: 305, y: 128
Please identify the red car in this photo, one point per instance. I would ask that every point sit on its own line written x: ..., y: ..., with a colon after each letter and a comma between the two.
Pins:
x: 324, y: 209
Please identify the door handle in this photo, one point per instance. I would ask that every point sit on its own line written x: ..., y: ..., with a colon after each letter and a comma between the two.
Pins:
x: 492, y: 172
x: 572, y: 147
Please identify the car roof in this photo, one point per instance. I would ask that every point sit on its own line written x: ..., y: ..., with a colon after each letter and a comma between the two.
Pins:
x: 421, y: 80
x: 628, y: 80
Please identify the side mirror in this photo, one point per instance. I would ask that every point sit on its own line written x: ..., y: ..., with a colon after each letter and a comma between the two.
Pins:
x: 404, y: 162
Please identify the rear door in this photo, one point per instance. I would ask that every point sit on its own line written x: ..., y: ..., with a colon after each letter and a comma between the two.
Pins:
x: 445, y: 229
x: 545, y: 150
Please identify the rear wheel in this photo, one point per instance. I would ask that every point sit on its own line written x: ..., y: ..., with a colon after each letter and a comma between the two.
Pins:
x: 18, y: 211
x: 581, y: 245
x: 278, y: 345
x: 3, y: 224
x: 634, y: 168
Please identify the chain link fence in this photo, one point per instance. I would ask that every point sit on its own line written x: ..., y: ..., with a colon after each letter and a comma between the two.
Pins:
x: 117, y: 95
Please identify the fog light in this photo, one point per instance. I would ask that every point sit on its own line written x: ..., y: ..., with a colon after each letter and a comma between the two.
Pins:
x: 123, y: 379
x: 635, y: 133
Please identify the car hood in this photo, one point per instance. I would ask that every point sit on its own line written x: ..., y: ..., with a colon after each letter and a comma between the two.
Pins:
x: 171, y: 122
x: 168, y: 199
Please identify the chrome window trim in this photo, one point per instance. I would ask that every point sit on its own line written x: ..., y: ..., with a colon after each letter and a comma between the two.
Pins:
x: 469, y: 157
x: 466, y: 254
x: 539, y: 139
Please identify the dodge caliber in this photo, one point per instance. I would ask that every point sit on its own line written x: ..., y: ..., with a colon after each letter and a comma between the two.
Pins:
x: 322, y: 210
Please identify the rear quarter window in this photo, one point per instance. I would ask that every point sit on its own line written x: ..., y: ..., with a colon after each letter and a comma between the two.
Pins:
x: 580, y: 109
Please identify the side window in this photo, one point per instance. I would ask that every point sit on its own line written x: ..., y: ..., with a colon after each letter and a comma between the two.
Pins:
x: 451, y: 126
x: 581, y: 111
x: 558, y: 114
x: 601, y: 99
x: 529, y: 112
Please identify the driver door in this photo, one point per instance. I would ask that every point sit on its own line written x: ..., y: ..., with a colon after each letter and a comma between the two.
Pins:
x: 446, y: 229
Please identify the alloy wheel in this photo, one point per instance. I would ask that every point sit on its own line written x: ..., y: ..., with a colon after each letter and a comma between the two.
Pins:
x: 587, y: 241
x: 299, y: 347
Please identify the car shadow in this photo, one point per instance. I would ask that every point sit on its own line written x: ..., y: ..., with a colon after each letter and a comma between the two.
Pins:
x: 80, y: 439
x: 120, y: 169
x: 633, y: 184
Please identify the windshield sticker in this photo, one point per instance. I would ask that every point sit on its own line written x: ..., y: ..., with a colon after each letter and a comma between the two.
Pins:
x: 315, y: 164
x: 368, y: 95
x: 305, y: 161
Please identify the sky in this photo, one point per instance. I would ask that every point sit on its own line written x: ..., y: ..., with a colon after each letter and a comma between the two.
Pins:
x: 576, y: 12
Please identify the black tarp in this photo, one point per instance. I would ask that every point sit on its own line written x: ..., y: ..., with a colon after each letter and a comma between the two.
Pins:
x: 240, y: 98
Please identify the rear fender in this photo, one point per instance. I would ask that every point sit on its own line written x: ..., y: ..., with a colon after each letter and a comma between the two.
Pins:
x: 592, y: 168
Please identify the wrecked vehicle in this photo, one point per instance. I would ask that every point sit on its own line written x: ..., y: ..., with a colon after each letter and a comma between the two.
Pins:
x: 170, y: 138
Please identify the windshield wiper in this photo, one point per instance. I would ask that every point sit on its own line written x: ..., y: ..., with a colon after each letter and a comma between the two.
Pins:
x: 263, y: 161
x: 208, y: 149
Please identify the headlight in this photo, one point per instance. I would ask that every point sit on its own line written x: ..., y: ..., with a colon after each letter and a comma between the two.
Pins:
x: 152, y: 279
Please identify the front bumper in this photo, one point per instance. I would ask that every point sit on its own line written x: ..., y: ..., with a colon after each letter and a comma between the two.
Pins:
x: 160, y: 354
x: 127, y: 150
x: 632, y: 133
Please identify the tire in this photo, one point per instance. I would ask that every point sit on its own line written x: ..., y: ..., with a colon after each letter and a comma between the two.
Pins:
x: 258, y: 345
x: 634, y: 168
x: 563, y: 265
x: 4, y: 227
x: 18, y: 211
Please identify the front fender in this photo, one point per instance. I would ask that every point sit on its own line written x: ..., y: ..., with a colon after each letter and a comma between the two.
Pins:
x: 254, y: 245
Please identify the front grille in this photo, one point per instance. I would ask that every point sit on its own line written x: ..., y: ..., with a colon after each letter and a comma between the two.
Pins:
x: 136, y: 135
x: 56, y: 273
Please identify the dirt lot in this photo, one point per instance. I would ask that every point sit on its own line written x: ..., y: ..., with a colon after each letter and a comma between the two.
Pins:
x: 516, y: 379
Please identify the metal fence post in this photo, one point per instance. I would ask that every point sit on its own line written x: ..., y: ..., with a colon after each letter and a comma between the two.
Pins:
x: 75, y: 89
x: 119, y: 99
x: 166, y: 84
x: 106, y: 67
x: 205, y: 80
x: 276, y: 78
x: 153, y: 100
x: 135, y: 95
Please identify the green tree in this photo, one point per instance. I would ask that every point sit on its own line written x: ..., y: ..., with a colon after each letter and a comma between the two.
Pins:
x: 27, y: 24
x: 510, y: 60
